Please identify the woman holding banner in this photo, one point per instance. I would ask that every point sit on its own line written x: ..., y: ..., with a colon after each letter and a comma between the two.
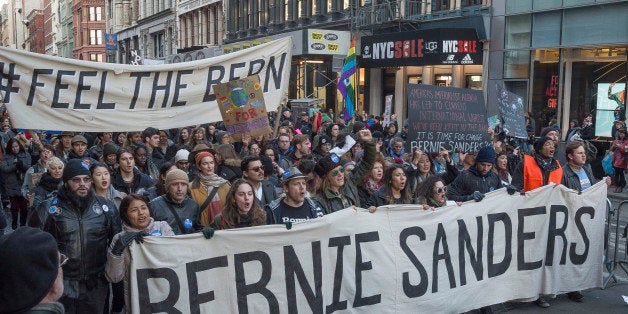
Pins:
x: 433, y: 194
x: 136, y: 223
x: 394, y: 191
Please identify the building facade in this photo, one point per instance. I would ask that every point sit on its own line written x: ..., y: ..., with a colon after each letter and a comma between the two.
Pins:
x: 88, y: 28
x: 201, y: 30
x: 65, y: 37
x: 146, y: 30
x: 51, y: 26
x: 566, y: 58
x: 36, y: 35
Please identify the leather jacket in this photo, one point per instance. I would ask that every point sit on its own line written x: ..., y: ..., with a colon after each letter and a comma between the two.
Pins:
x: 82, y: 235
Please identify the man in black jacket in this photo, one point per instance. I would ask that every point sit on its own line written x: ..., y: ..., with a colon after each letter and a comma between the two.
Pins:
x: 473, y: 183
x: 83, y: 225
x: 127, y: 178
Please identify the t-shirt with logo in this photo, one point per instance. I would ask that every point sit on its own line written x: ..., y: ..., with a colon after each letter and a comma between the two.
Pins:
x: 585, y: 183
x: 288, y: 213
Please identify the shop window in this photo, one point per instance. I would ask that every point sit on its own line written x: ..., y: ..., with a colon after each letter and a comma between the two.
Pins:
x: 442, y: 80
x: 545, y: 85
x: 473, y: 82
x: 415, y: 79
x: 516, y: 64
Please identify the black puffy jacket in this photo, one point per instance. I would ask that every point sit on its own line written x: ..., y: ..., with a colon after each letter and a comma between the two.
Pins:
x: 82, y: 235
x: 140, y: 185
x: 469, y: 181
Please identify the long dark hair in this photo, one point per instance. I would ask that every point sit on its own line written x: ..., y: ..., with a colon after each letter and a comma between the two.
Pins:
x: 126, y: 202
x: 406, y: 196
x: 230, y: 215
x: 425, y: 191
x: 10, y: 144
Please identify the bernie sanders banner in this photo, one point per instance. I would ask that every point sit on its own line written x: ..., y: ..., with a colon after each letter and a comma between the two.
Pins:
x: 52, y: 93
x: 400, y: 259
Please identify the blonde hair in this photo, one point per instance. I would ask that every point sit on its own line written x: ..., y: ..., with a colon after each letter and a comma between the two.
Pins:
x: 54, y: 160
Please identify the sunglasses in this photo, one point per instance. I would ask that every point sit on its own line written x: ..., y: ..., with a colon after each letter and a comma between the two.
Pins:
x: 62, y: 259
x: 256, y: 169
x: 440, y: 190
x: 337, y: 172
x: 79, y: 180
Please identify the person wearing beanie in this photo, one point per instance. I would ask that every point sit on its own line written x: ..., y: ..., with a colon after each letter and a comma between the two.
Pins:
x: 323, y: 146
x: 208, y: 189
x: 175, y: 207
x: 109, y: 154
x: 32, y: 275
x: 181, y: 160
x: 554, y: 133
x: 474, y: 182
x: 538, y: 169
x: 83, y: 225
x: 136, y: 224
x: 338, y: 189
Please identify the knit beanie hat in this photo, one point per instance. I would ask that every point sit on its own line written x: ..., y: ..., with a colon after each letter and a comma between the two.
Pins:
x: 78, y: 138
x: 547, y: 130
x: 109, y: 149
x: 200, y: 156
x: 486, y: 154
x: 538, y: 144
x: 175, y: 176
x: 29, y: 263
x: 182, y: 154
x: 358, y: 126
x: 75, y: 167
x: 327, y: 164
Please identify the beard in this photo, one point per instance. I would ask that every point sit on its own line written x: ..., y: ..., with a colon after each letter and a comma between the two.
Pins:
x: 80, y: 202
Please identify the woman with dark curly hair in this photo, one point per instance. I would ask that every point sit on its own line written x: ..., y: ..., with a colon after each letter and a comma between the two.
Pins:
x: 433, y: 193
x: 241, y: 208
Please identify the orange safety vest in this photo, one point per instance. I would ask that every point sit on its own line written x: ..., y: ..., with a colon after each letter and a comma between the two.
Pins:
x: 533, y: 177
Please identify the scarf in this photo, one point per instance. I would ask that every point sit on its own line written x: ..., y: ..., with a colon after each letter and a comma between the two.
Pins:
x: 212, y: 180
x: 548, y: 166
x: 371, y: 186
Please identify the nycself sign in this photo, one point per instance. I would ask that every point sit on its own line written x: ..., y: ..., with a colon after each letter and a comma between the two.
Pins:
x: 424, y: 47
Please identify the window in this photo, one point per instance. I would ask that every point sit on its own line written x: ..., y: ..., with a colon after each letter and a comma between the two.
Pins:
x: 95, y: 36
x: 158, y: 45
x: 95, y: 57
x: 95, y: 13
x: 440, y: 5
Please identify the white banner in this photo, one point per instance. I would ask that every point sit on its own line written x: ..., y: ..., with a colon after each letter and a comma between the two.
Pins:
x: 397, y: 260
x: 52, y: 93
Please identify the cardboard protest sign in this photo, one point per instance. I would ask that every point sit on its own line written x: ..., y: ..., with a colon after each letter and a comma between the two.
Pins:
x: 511, y: 113
x: 242, y: 107
x: 400, y: 259
x: 453, y: 118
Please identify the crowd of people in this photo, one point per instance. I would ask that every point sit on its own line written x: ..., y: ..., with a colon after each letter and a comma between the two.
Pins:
x: 94, y: 194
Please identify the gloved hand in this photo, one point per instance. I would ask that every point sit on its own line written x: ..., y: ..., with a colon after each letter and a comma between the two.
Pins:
x: 477, y: 196
x: 288, y: 225
x: 208, y: 232
x: 126, y: 239
x: 511, y: 189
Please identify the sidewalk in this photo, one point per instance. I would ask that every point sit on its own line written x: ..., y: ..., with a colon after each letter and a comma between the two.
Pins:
x: 595, y: 300
x: 618, y: 196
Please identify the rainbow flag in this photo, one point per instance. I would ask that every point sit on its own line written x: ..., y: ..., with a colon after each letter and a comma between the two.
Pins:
x: 346, y: 85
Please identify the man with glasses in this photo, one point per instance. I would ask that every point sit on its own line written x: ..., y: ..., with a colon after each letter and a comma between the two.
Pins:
x: 83, y: 224
x: 32, y: 275
x: 253, y: 171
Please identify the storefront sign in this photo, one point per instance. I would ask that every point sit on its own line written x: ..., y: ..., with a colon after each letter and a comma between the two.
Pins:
x: 452, y: 118
x: 424, y: 47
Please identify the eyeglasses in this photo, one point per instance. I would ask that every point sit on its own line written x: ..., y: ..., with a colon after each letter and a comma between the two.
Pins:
x: 256, y: 169
x: 62, y: 259
x: 337, y: 172
x: 440, y: 190
x: 79, y: 180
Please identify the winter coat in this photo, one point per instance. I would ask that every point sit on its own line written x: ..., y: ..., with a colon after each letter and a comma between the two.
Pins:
x: 528, y: 182
x: 47, y: 188
x: 117, y: 267
x: 86, y: 157
x: 140, y: 184
x: 162, y: 207
x: 571, y: 180
x: 199, y: 194
x: 620, y: 156
x: 26, y: 183
x: 13, y: 168
x: 332, y: 202
x: 230, y: 169
x: 83, y: 235
x: 469, y: 181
